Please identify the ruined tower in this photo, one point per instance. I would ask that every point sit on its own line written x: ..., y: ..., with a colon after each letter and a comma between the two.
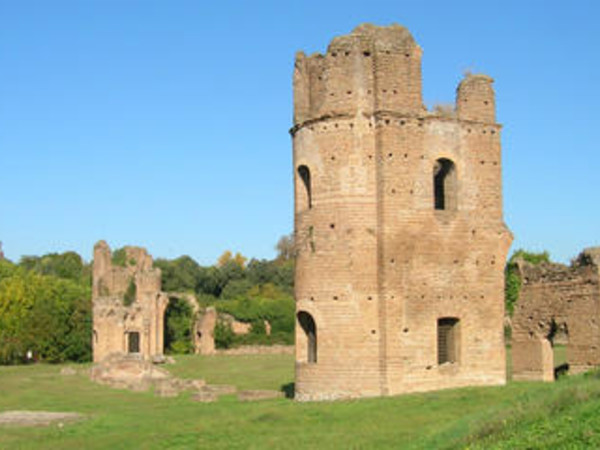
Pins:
x: 398, y: 223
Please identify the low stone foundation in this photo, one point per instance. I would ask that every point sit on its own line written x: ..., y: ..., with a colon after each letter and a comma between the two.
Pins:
x: 138, y: 374
x: 258, y: 350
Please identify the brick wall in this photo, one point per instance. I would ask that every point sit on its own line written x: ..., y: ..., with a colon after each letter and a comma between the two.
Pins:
x: 377, y: 265
x: 112, y: 319
x: 558, y: 301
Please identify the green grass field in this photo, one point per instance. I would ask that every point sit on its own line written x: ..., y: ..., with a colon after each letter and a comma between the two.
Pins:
x: 565, y: 414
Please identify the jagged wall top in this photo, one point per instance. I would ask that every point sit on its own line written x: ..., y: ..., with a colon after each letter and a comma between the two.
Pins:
x: 394, y: 37
x: 371, y: 69
x: 587, y: 260
x: 376, y: 69
x: 589, y: 256
x: 111, y: 280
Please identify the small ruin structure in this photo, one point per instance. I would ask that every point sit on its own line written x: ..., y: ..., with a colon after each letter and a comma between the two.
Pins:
x: 557, y: 304
x: 401, y: 241
x: 129, y: 307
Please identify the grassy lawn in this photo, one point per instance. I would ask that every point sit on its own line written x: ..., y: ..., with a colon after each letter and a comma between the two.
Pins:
x: 520, y: 415
x: 243, y: 371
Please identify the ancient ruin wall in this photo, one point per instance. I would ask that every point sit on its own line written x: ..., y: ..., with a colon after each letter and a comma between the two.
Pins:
x: 557, y: 304
x: 378, y: 265
x: 114, y: 322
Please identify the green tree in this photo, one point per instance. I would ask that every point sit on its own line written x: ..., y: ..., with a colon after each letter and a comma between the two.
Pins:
x: 130, y: 293
x: 68, y: 265
x: 7, y: 269
x: 179, y: 321
x: 46, y: 315
x: 236, y: 288
x: 119, y: 257
x: 179, y: 275
x: 224, y: 336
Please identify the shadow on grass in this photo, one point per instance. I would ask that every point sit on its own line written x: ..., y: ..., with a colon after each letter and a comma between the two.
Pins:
x: 288, y: 390
x: 561, y: 371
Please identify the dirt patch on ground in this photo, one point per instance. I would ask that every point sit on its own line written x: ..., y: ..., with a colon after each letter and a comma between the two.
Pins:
x: 37, y: 418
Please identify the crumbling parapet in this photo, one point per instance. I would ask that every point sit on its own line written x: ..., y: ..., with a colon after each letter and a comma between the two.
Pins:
x: 475, y: 98
x: 369, y: 70
x: 557, y: 304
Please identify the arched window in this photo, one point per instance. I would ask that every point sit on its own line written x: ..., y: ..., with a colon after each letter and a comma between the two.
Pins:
x: 304, y: 174
x: 444, y: 185
x: 448, y: 339
x: 310, y: 330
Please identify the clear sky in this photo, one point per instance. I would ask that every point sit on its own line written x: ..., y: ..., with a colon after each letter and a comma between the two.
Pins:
x: 165, y: 123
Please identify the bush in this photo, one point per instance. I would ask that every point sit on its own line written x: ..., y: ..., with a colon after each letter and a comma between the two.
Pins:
x: 130, y: 293
x: 224, y: 335
x: 49, y: 316
x: 119, y: 257
x: 512, y: 281
x: 180, y: 348
x: 179, y: 322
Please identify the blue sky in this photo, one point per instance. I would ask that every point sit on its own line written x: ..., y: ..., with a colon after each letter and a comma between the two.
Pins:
x: 165, y: 123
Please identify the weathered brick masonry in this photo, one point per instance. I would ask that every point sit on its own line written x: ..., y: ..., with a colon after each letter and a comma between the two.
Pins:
x: 398, y: 222
x: 557, y: 304
x: 120, y: 328
x: 136, y: 328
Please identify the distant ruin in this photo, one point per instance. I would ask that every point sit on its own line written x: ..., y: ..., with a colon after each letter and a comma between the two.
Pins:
x: 557, y: 304
x: 129, y: 307
x: 401, y: 241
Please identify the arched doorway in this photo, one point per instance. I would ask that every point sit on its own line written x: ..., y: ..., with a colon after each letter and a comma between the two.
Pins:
x: 307, y: 323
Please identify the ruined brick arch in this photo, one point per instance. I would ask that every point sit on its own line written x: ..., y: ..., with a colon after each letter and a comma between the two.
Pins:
x: 309, y: 338
x: 304, y: 174
x: 189, y: 298
x: 445, y: 185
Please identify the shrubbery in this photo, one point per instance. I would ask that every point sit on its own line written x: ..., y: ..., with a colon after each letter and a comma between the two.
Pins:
x: 512, y: 281
x: 45, y: 315
x: 254, y: 292
x: 258, y: 305
x: 178, y: 327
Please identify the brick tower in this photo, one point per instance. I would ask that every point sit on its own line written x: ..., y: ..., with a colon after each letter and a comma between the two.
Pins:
x: 398, y: 222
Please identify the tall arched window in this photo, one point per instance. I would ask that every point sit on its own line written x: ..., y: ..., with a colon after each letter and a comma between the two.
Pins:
x: 444, y: 185
x: 304, y: 174
x: 310, y: 331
